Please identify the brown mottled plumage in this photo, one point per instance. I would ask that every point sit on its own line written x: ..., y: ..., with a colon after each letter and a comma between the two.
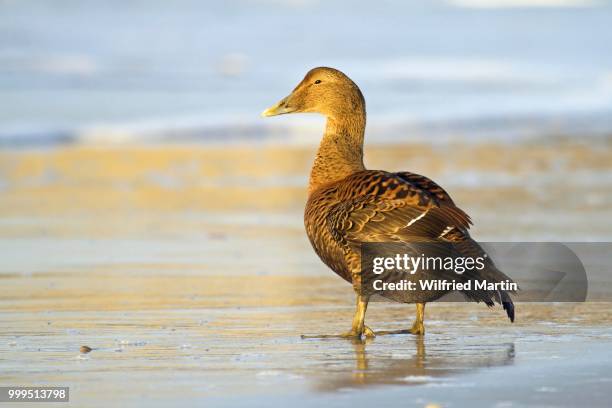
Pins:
x: 349, y: 205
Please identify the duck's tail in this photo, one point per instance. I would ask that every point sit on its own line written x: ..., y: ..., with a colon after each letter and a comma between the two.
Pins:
x: 490, y: 273
x: 507, y: 304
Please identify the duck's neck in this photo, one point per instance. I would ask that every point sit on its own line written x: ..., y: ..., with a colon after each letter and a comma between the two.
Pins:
x: 340, y: 153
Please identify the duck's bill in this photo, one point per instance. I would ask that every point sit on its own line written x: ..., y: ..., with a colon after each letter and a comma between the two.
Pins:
x: 279, y: 109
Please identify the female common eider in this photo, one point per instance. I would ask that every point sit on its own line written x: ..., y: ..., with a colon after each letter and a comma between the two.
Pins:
x: 349, y: 205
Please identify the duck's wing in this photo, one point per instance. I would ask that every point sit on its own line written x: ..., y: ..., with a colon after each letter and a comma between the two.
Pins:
x: 376, y: 206
x: 406, y: 208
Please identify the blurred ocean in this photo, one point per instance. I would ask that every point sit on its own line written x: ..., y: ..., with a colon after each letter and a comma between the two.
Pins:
x: 117, y: 70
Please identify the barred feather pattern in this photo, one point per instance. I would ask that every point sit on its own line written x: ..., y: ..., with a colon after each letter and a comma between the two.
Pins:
x: 378, y: 206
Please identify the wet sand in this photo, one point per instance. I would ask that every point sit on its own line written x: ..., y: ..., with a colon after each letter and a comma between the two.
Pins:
x: 187, y: 271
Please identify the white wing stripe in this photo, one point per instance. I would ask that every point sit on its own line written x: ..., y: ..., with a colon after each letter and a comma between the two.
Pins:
x: 446, y: 231
x: 412, y: 221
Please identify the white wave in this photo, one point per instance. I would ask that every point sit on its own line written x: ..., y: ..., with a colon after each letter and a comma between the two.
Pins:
x: 466, y: 69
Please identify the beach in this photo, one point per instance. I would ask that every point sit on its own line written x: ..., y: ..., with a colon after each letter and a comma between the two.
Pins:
x: 187, y: 271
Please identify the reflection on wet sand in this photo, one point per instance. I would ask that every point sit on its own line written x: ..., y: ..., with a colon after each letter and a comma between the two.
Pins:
x: 417, y: 368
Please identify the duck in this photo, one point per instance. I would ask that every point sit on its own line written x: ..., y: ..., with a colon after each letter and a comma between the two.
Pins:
x: 349, y: 205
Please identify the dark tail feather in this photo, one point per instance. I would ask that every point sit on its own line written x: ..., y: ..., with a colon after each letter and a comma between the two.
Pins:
x: 509, y: 308
x: 507, y: 304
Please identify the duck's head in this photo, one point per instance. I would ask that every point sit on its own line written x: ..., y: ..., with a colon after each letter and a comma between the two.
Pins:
x: 323, y: 90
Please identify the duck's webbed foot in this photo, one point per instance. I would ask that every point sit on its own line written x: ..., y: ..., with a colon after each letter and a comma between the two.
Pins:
x: 387, y: 332
x: 352, y: 334
x: 358, y: 328
x: 418, y: 328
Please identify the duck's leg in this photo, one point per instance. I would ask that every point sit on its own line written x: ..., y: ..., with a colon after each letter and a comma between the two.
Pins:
x: 417, y: 328
x: 358, y: 328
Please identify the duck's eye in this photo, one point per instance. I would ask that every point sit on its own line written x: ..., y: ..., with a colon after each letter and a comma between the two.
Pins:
x: 317, y: 82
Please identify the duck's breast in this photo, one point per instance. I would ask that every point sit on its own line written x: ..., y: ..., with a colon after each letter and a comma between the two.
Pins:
x: 316, y: 220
